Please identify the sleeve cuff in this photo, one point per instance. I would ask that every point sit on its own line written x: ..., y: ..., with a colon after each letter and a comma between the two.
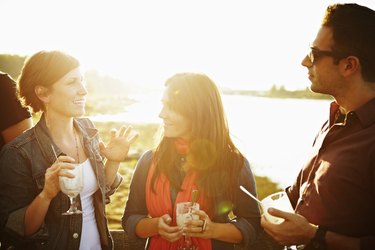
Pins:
x: 130, y: 225
x: 248, y: 233
x: 112, y: 189
x: 16, y: 221
x: 16, y: 225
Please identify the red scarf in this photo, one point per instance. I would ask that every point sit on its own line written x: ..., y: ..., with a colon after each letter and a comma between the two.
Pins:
x: 159, y: 203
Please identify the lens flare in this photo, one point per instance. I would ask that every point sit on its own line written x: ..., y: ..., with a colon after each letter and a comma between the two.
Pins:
x: 224, y: 207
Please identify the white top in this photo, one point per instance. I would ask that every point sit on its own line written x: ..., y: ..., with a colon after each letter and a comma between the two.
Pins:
x: 90, y: 239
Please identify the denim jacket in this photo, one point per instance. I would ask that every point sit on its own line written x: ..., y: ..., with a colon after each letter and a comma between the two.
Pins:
x: 23, y: 163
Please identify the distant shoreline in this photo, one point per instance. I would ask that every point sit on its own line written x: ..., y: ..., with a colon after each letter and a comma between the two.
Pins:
x: 280, y: 92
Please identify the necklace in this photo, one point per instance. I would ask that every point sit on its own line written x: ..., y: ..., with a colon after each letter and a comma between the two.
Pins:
x: 183, y: 159
x: 77, y: 151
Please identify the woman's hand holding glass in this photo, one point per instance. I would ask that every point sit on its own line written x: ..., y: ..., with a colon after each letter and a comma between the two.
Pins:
x: 72, y: 187
x: 118, y: 146
x: 51, y: 183
x: 202, y: 228
x: 166, y: 231
x: 185, y: 213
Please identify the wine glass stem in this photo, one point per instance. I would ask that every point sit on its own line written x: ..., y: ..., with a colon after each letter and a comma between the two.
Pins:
x: 187, y: 240
x: 72, y: 203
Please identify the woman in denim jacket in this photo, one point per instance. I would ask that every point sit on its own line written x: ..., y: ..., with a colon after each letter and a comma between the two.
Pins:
x: 31, y: 201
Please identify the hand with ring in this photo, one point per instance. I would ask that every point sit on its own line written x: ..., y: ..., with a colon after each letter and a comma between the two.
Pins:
x: 204, y: 225
x: 202, y: 228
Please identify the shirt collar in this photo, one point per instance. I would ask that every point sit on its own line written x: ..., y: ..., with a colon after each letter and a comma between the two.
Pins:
x: 334, y: 110
x: 365, y: 113
x: 46, y: 143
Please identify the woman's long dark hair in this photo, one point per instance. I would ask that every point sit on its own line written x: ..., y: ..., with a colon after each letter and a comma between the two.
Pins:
x: 214, y: 156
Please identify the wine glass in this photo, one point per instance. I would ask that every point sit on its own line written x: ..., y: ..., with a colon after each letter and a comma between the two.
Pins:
x: 184, y: 211
x: 72, y: 187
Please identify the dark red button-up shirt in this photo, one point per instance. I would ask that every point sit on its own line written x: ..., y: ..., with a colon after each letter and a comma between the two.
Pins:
x: 336, y: 187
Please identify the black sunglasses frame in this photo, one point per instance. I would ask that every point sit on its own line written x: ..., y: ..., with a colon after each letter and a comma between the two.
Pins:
x: 316, y: 53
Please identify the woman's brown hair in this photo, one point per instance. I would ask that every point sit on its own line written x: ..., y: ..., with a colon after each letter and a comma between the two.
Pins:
x: 212, y: 152
x: 44, y: 68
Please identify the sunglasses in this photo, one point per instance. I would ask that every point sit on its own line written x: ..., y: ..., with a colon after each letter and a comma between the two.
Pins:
x: 316, y: 53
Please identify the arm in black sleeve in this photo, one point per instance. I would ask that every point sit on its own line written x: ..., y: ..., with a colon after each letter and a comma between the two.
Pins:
x: 246, y: 209
x: 17, y: 188
x: 136, y: 208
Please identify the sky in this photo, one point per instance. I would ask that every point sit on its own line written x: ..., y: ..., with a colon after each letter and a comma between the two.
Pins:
x: 240, y: 44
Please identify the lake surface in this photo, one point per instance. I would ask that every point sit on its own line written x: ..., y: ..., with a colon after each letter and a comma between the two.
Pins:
x: 275, y: 135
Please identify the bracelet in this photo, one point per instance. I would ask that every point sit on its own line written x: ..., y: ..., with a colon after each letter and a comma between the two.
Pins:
x: 319, y: 241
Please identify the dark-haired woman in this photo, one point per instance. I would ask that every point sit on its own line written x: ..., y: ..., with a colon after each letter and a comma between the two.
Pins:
x: 195, y: 152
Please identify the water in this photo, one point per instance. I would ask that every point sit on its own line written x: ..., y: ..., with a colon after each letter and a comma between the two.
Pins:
x: 275, y: 135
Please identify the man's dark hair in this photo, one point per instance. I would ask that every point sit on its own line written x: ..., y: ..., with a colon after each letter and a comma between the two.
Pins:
x: 353, y: 28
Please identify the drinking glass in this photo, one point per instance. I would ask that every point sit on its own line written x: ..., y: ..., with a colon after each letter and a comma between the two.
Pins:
x: 279, y: 200
x: 184, y: 211
x: 72, y: 187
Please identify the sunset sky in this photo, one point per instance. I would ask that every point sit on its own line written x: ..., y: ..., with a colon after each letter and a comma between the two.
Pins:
x: 238, y: 43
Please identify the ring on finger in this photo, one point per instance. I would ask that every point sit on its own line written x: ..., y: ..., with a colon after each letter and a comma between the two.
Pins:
x: 204, y: 225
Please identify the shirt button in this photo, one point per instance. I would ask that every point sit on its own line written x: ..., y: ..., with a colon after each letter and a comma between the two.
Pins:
x: 75, y: 235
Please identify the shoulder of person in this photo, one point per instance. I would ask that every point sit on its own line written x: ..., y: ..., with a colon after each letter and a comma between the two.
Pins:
x: 246, y: 169
x: 145, y: 161
x: 246, y: 162
x: 5, y: 77
x: 7, y: 82
x: 146, y: 157
x: 24, y: 140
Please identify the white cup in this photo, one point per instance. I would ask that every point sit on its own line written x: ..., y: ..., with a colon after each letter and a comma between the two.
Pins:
x: 279, y: 200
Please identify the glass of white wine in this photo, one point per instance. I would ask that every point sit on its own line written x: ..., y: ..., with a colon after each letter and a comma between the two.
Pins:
x: 72, y: 187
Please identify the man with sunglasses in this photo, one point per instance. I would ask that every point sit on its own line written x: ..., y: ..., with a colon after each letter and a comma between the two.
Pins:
x: 334, y: 193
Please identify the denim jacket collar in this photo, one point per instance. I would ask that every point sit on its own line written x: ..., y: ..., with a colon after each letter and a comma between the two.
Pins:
x: 46, y: 143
